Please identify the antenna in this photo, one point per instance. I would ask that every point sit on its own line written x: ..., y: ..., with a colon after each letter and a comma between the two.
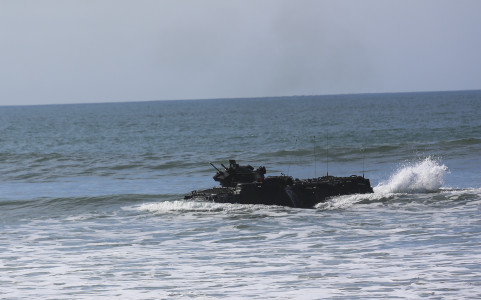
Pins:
x: 364, y: 156
x: 315, y: 158
x: 290, y: 160
x: 363, y: 159
x: 327, y: 152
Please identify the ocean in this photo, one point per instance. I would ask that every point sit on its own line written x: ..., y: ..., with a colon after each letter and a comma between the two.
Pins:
x: 91, y: 199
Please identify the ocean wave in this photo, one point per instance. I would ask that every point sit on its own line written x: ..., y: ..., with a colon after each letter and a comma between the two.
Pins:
x: 353, y: 152
x: 453, y: 197
x: 426, y: 175
x: 182, y: 206
x: 337, y: 153
x: 195, y: 206
x: 462, y: 142
x: 190, y: 207
x: 75, y: 203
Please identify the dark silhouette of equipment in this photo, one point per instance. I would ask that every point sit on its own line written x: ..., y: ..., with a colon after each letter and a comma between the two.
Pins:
x: 246, y: 185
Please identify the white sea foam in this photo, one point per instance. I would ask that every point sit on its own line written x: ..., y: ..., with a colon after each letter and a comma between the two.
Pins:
x: 196, y: 206
x: 358, y: 253
x: 423, y: 176
x: 342, y: 202
x: 170, y: 206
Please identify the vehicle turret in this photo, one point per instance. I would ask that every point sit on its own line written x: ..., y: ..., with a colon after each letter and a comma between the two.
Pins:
x: 234, y: 174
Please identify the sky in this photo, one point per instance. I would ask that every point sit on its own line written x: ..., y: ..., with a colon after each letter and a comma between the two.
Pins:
x: 113, y: 50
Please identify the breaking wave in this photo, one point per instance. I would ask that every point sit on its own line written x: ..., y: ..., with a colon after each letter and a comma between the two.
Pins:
x: 210, y: 208
x: 191, y: 206
x: 179, y: 206
x: 423, y: 176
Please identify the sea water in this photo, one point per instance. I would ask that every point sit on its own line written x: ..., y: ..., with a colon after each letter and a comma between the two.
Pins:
x: 91, y: 199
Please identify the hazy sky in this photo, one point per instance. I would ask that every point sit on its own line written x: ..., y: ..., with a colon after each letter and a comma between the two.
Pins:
x: 101, y: 51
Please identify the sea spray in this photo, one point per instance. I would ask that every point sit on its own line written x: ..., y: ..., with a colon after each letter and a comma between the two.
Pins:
x: 423, y: 176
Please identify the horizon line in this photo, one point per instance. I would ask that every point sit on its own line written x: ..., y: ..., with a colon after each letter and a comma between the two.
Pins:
x: 240, y: 98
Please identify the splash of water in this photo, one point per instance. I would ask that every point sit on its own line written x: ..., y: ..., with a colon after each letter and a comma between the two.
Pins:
x: 423, y: 176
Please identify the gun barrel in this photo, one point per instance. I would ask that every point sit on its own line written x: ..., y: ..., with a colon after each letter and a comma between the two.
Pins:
x: 214, y: 167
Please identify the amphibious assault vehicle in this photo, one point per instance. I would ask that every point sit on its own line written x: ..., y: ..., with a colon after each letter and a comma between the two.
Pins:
x: 244, y: 185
